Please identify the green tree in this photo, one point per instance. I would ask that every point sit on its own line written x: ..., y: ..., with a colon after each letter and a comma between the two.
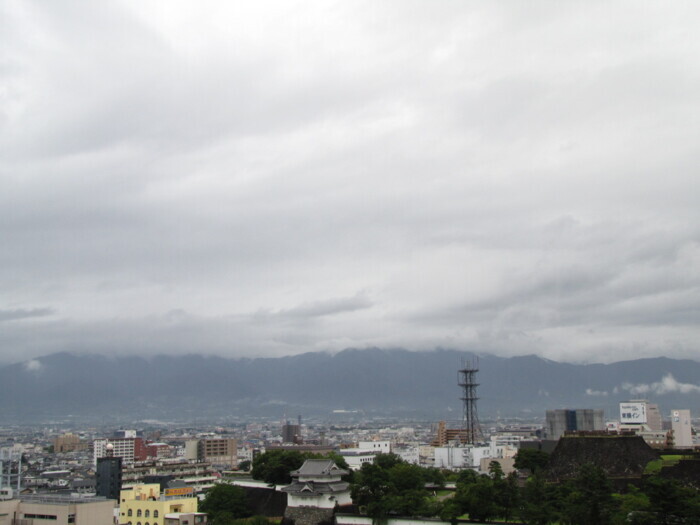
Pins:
x: 274, y: 466
x: 386, y: 461
x: 496, y: 470
x: 371, y: 485
x: 407, y: 477
x: 467, y: 477
x: 480, y: 500
x: 390, y: 486
x: 245, y: 465
x: 671, y: 502
x: 225, y: 502
x: 508, y: 495
x: 530, y: 459
x: 633, y: 508
x: 536, y: 505
x: 590, y: 501
x: 434, y: 476
x: 450, y: 510
x: 223, y: 517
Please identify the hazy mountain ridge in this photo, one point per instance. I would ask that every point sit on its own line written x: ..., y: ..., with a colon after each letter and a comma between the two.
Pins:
x: 376, y: 381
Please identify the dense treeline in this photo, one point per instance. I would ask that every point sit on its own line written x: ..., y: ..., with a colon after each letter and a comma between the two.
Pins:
x: 390, y: 487
x: 275, y: 466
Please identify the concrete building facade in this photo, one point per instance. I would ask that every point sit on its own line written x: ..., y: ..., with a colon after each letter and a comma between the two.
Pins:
x: 108, y: 477
x: 217, y: 451
x: 130, y: 449
x: 69, y: 443
x: 145, y: 503
x: 560, y: 421
x: 682, y: 428
x: 58, y: 510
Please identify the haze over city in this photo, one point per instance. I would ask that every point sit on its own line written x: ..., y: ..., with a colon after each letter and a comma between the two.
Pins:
x: 272, y: 178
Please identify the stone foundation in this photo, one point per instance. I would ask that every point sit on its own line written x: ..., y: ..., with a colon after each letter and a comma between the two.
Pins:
x: 308, y: 515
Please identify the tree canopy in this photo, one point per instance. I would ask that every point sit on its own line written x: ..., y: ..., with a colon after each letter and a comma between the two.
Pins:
x: 274, y: 466
x: 531, y: 459
x: 390, y: 486
x: 224, y: 502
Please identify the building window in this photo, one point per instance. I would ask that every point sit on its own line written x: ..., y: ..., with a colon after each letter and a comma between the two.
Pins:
x: 138, y: 514
x: 147, y: 514
x: 130, y: 513
x: 155, y: 513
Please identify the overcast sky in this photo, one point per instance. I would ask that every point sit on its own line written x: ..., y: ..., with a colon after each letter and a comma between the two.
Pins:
x: 271, y: 178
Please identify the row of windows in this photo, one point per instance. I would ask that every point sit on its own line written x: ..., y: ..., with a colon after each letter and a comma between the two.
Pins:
x: 40, y: 516
x: 147, y: 523
x: 146, y: 514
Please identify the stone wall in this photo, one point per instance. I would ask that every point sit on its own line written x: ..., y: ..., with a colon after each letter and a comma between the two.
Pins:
x: 266, y: 501
x: 618, y: 456
x: 308, y: 516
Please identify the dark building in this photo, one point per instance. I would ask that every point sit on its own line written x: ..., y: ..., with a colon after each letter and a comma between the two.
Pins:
x: 291, y: 433
x: 109, y: 477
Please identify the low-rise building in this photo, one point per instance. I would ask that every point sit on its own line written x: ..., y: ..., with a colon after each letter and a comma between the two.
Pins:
x: 198, y: 474
x: 186, y: 518
x: 145, y: 503
x: 57, y: 510
x: 69, y: 443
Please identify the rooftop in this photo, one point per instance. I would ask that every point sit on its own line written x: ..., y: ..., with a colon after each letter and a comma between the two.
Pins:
x: 59, y: 499
x: 319, y: 467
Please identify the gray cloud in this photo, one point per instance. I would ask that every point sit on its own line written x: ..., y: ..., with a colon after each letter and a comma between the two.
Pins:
x: 328, y: 307
x: 596, y: 393
x: 667, y: 385
x: 20, y: 313
x: 490, y: 176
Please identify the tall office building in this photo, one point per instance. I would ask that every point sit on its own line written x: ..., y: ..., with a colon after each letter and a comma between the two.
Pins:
x: 639, y: 412
x: 291, y: 433
x: 581, y: 419
x: 682, y: 429
x: 108, y: 477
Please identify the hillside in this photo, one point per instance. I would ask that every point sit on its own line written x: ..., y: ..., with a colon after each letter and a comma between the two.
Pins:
x: 373, y: 381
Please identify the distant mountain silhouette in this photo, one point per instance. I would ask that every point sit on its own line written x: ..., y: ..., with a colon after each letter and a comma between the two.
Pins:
x: 374, y: 381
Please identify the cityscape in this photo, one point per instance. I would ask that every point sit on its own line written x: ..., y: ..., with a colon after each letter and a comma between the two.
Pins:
x: 169, y: 472
x: 380, y: 262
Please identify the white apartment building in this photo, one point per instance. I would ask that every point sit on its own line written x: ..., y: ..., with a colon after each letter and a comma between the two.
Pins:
x: 682, y: 428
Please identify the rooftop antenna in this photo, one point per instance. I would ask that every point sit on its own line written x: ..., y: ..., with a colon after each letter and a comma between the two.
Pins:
x: 467, y: 380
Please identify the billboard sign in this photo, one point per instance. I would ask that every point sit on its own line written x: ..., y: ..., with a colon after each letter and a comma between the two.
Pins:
x: 633, y: 413
x: 179, y: 491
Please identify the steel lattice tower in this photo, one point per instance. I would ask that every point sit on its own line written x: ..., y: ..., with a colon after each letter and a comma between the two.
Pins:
x: 467, y: 380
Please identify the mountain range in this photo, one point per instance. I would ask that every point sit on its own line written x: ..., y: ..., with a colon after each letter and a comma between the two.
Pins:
x: 368, y: 382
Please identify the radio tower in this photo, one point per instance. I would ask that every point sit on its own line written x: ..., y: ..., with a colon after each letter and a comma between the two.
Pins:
x: 467, y: 380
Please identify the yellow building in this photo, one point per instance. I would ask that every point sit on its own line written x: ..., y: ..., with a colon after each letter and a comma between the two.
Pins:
x: 145, y: 505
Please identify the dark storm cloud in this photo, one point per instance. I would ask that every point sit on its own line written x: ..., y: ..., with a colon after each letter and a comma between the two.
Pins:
x: 272, y: 178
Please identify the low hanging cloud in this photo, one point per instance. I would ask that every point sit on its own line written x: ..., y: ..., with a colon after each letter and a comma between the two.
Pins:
x: 668, y: 384
x: 33, y: 365
x: 596, y: 393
